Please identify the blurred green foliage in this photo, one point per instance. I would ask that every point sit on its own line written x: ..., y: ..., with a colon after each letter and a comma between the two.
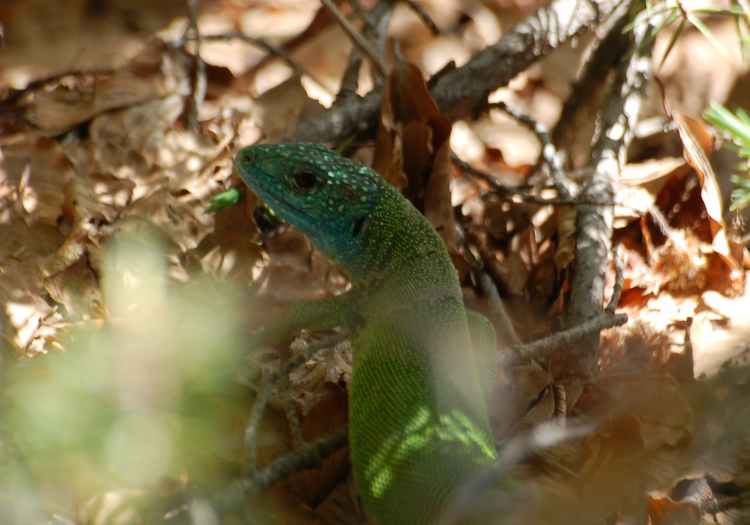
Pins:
x: 139, y: 401
x: 736, y: 126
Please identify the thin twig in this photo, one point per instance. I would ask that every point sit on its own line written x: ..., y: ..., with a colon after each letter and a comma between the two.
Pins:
x: 561, y: 403
x: 507, y: 332
x: 375, y: 27
x: 350, y: 80
x: 573, y: 131
x: 542, y: 348
x: 505, y: 191
x: 549, y: 152
x: 509, y: 192
x: 309, y: 455
x: 461, y: 90
x: 617, y: 288
x: 423, y: 15
x: 260, y: 402
x: 291, y: 414
x: 687, y: 370
x: 199, y: 69
x: 274, y: 50
x: 357, y: 39
x: 380, y: 17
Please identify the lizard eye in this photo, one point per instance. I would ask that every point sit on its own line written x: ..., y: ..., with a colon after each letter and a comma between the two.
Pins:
x: 304, y: 180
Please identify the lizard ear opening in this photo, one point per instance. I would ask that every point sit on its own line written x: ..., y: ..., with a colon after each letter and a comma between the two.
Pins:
x: 358, y: 225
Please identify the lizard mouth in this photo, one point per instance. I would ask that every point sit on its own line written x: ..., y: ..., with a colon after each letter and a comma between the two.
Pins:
x: 279, y: 202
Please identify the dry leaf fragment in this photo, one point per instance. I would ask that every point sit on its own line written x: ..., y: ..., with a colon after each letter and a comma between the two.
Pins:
x: 77, y: 289
x: 413, y: 147
x: 698, y: 143
x: 152, y: 74
x: 665, y: 511
x: 40, y: 170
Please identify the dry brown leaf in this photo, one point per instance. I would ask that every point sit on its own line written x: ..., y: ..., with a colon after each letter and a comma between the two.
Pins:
x: 520, y: 400
x: 720, y: 331
x: 128, y: 142
x: 319, y: 379
x: 640, y: 184
x: 25, y: 240
x: 235, y: 55
x: 154, y: 73
x: 665, y: 511
x: 39, y: 170
x: 28, y: 319
x: 672, y: 247
x: 646, y: 441
x: 413, y: 147
x: 47, y: 40
x: 637, y: 347
x: 341, y: 506
x: 658, y: 404
x: 314, y: 382
x: 278, y: 110
x: 132, y: 164
x: 77, y: 289
x: 699, y: 143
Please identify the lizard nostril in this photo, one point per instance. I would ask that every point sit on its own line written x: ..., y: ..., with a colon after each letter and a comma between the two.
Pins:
x: 248, y: 158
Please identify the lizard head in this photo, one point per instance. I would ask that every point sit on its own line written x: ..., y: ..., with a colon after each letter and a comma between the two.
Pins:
x: 327, y: 197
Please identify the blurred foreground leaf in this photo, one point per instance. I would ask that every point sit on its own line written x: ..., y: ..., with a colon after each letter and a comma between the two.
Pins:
x: 138, y: 400
x: 737, y: 127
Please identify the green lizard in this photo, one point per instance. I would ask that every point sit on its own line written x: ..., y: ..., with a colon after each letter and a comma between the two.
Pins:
x: 418, y: 426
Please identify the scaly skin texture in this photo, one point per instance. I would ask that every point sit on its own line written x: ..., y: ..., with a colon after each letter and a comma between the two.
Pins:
x: 418, y: 423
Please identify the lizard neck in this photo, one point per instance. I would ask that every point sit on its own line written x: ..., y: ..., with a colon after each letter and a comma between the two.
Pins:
x: 397, y: 242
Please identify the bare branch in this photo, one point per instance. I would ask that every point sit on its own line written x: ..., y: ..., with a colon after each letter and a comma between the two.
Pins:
x: 594, y: 222
x: 359, y: 41
x: 542, y: 348
x: 309, y: 455
x: 549, y: 152
x: 462, y: 91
